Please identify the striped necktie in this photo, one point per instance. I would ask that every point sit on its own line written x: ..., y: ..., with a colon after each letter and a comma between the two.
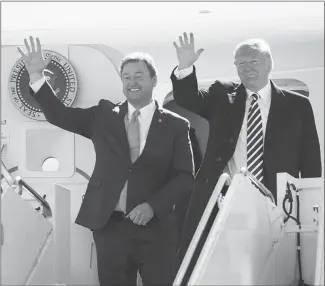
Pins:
x: 255, y: 140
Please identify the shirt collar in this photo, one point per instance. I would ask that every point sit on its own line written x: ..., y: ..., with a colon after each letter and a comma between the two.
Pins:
x: 264, y: 93
x: 144, y: 111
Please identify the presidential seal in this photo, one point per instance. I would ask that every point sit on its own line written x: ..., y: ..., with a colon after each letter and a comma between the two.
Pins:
x: 59, y: 74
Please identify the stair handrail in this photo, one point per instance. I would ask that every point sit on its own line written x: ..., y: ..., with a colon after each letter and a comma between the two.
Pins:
x: 18, y: 182
x: 47, y: 212
x: 258, y: 184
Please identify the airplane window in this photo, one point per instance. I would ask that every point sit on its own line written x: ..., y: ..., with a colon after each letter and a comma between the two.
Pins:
x: 50, y: 165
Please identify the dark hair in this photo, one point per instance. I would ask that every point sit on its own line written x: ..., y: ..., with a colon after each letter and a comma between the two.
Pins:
x: 140, y: 57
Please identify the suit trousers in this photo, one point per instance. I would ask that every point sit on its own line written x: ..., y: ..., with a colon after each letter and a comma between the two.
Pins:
x: 124, y: 248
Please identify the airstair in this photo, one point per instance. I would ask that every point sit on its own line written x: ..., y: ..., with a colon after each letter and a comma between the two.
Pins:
x: 253, y: 239
x: 40, y: 244
x: 256, y: 241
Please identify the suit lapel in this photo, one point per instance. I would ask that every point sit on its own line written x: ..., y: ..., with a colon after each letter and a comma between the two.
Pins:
x: 114, y: 129
x: 237, y: 109
x: 275, y: 119
x: 121, y: 131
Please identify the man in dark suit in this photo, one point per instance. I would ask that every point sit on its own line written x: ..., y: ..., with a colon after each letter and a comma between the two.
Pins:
x: 254, y: 124
x: 144, y: 166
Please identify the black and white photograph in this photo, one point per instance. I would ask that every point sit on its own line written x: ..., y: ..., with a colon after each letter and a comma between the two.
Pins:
x: 162, y: 143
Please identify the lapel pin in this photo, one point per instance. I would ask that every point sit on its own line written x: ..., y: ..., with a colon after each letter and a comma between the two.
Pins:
x: 159, y: 120
x: 231, y: 97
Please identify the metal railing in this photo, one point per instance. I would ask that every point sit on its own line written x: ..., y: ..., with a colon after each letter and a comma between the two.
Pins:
x: 20, y: 184
x: 47, y: 212
x: 184, y: 268
x: 258, y: 184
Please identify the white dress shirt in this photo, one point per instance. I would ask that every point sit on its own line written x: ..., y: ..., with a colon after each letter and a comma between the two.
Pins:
x: 37, y: 84
x: 239, y: 159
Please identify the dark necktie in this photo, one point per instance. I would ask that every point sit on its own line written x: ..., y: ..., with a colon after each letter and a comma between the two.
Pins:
x: 255, y: 140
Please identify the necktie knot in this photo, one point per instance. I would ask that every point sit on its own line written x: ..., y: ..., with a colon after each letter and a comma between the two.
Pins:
x: 135, y: 114
x: 255, y: 96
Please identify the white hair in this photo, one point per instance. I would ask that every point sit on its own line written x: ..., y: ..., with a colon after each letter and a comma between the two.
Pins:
x: 256, y: 44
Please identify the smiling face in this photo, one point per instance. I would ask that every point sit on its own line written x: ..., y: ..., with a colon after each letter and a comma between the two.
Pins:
x: 253, y: 67
x: 138, y: 84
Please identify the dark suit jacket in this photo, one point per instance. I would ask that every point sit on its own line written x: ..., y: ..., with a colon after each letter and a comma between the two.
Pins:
x: 182, y: 206
x: 161, y: 175
x: 291, y: 140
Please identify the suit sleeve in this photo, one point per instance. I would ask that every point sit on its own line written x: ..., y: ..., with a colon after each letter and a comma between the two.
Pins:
x: 76, y: 120
x: 187, y: 95
x: 181, y: 177
x: 310, y: 163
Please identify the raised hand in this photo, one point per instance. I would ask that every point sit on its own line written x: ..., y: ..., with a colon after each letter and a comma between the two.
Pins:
x: 186, y: 53
x: 34, y: 61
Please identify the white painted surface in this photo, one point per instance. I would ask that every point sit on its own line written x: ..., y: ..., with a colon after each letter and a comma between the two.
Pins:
x: 240, y: 240
x: 249, y: 245
x: 61, y: 225
x: 82, y: 251
x: 25, y: 234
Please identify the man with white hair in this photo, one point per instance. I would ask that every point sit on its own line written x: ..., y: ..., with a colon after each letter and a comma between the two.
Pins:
x: 253, y: 124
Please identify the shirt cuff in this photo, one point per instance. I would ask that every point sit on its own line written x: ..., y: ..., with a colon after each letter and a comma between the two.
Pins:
x: 37, y: 85
x: 180, y: 74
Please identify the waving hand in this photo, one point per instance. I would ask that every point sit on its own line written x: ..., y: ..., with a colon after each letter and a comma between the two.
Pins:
x: 186, y: 53
x: 34, y: 61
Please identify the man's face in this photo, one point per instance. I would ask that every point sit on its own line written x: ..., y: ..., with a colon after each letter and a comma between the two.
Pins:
x: 137, y: 83
x: 253, y: 68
